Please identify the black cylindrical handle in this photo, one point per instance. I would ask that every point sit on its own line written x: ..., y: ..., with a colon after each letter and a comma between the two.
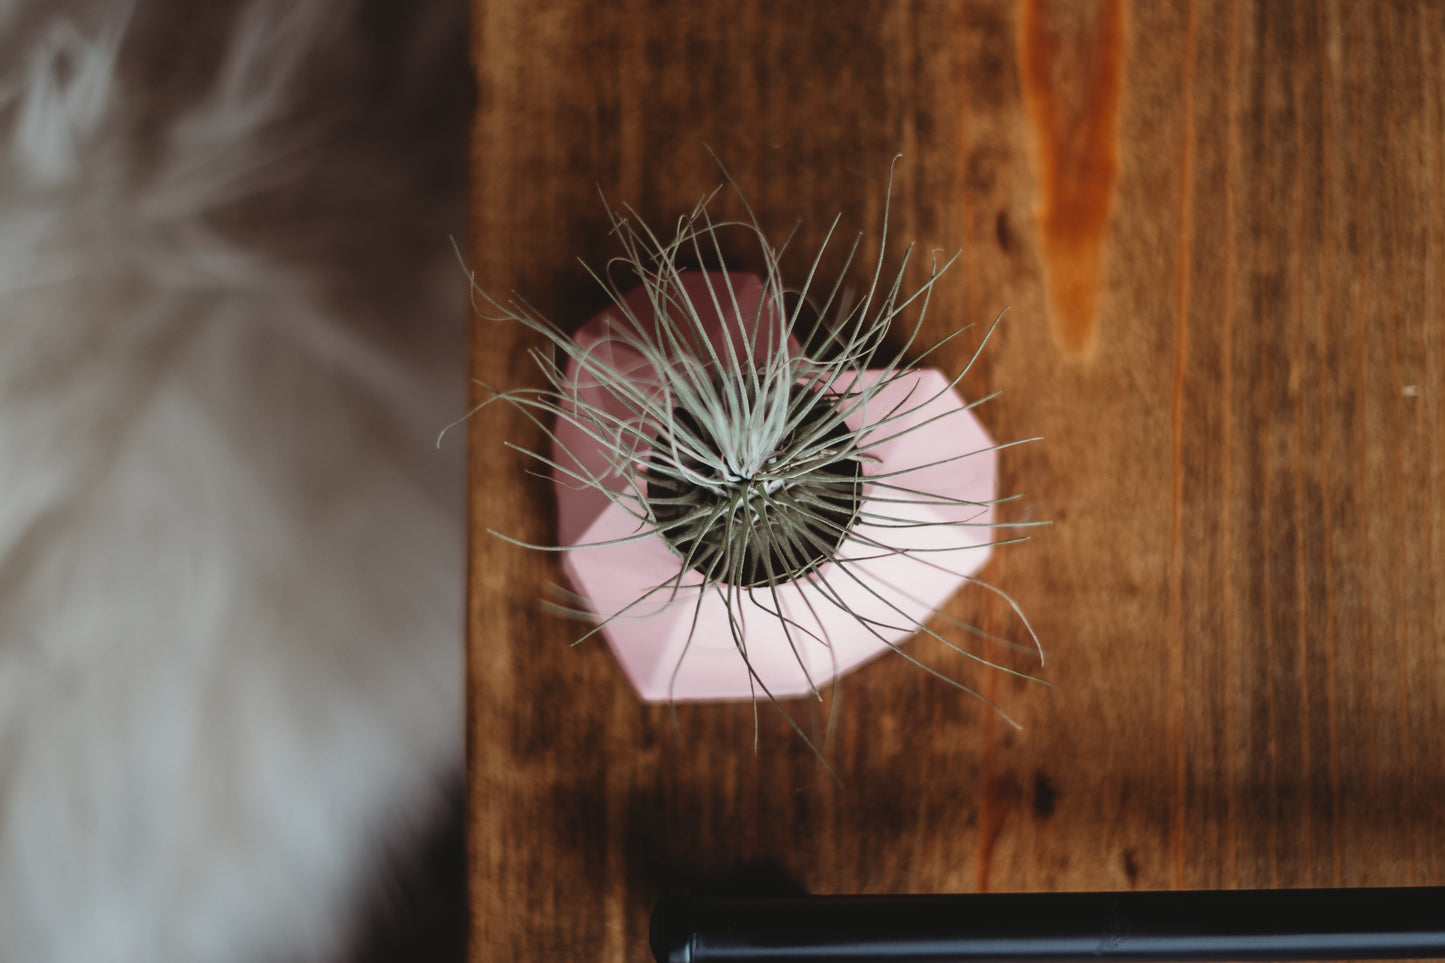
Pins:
x: 1241, y: 925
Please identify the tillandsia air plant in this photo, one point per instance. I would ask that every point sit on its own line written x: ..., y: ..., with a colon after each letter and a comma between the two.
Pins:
x: 751, y: 492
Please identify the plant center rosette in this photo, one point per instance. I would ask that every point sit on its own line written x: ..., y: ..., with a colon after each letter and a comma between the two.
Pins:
x: 745, y: 521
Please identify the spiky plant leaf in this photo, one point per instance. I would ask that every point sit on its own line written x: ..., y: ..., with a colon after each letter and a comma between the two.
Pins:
x: 738, y: 451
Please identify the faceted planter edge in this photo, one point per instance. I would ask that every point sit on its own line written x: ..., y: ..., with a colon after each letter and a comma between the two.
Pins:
x: 681, y: 644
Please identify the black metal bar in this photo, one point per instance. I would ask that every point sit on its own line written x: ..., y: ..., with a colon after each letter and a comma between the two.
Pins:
x: 1226, y: 925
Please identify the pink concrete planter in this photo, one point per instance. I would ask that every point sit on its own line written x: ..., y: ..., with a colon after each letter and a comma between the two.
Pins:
x: 687, y: 642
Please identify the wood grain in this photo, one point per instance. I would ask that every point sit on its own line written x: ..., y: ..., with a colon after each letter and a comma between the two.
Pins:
x: 1241, y: 594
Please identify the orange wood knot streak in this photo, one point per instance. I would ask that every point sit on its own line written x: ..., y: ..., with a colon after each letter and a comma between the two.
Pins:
x: 1071, y: 62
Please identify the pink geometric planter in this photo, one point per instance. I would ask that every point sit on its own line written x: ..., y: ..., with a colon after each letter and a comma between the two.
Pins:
x: 679, y: 645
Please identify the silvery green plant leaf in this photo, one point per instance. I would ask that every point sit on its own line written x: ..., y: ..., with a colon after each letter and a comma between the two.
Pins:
x: 739, y: 451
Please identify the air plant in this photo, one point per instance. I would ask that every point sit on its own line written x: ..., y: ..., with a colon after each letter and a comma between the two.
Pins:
x: 691, y: 416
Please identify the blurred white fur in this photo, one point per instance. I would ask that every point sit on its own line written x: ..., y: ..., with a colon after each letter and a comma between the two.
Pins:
x: 230, y: 558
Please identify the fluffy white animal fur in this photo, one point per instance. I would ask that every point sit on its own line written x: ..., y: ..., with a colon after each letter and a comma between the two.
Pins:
x: 230, y: 556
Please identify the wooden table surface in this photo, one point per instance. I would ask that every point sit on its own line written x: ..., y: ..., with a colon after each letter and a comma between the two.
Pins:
x: 1220, y: 231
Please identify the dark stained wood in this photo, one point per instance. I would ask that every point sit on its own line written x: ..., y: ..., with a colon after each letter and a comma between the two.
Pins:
x: 1242, y: 596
